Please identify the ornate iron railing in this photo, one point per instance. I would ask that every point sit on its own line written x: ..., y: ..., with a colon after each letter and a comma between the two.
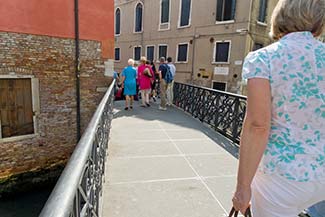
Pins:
x: 78, y: 191
x: 223, y: 111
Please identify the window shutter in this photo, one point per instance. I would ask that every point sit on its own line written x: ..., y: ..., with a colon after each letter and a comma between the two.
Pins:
x: 163, y: 51
x: 138, y: 18
x: 222, y: 52
x: 233, y: 9
x: 219, y: 10
x: 164, y: 11
x: 117, y: 22
x: 16, y: 107
x: 182, y: 53
x: 262, y: 12
x: 150, y: 52
x: 185, y: 12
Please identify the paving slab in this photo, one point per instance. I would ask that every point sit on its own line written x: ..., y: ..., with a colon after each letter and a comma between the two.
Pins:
x: 147, y: 168
x: 186, y: 198
x: 166, y: 164
x: 131, y: 148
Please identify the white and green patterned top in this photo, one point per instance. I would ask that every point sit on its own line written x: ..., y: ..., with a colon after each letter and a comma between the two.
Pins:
x: 295, y: 67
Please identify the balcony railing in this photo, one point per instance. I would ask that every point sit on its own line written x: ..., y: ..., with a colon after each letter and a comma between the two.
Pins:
x: 78, y: 191
x: 223, y: 111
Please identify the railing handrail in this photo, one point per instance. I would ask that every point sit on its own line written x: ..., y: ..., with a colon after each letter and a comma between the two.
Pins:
x: 214, y: 90
x: 221, y: 110
x: 62, y: 197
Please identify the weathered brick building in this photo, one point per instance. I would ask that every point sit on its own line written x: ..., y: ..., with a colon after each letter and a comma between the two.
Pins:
x: 38, y: 103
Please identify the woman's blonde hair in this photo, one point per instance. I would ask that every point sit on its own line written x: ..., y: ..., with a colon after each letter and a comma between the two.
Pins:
x: 131, y: 62
x: 296, y: 16
x: 143, y: 60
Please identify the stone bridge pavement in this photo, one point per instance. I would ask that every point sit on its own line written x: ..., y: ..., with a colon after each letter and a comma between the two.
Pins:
x: 166, y: 164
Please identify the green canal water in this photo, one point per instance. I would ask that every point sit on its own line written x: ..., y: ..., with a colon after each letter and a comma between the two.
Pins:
x: 24, y: 205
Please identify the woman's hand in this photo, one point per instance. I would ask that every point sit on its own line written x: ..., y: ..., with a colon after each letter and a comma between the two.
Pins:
x: 241, y: 198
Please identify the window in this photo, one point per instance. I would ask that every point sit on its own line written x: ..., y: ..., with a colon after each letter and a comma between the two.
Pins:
x: 221, y: 52
x: 138, y: 17
x: 117, y: 54
x: 164, y: 17
x: 257, y: 46
x: 150, y: 53
x: 262, y: 12
x: 185, y: 13
x: 137, y: 53
x: 17, y: 106
x: 117, y: 21
x: 222, y: 86
x: 182, y: 52
x: 162, y: 51
x: 226, y: 10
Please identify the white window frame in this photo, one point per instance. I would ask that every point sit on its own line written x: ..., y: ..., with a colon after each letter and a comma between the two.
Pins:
x: 154, y: 51
x: 188, y: 46
x: 35, y: 105
x: 214, y: 52
x: 215, y: 81
x: 134, y: 52
x: 261, y: 23
x: 179, y: 16
x: 118, y: 8
x: 168, y: 23
x: 158, y: 51
x: 120, y: 55
x: 227, y: 21
x: 135, y: 15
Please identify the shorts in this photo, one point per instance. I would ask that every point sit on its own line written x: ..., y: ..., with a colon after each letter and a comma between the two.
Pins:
x: 277, y: 196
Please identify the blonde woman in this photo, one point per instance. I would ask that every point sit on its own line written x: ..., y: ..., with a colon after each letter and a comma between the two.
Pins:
x: 282, y: 148
x: 128, y: 81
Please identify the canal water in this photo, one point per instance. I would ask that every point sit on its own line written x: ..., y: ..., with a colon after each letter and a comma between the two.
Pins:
x: 24, y: 205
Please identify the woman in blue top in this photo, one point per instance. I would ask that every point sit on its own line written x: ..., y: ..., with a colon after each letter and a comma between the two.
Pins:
x: 129, y: 75
x: 282, y: 147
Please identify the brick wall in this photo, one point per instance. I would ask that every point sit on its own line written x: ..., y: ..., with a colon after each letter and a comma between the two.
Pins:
x: 51, y: 60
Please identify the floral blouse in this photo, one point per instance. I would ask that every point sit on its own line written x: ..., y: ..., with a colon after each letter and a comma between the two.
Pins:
x: 295, y: 67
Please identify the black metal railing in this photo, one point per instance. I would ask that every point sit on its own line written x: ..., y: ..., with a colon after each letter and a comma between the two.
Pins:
x: 78, y: 191
x: 223, y: 111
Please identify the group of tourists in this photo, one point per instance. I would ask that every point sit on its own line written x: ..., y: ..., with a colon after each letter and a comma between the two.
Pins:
x: 150, y: 82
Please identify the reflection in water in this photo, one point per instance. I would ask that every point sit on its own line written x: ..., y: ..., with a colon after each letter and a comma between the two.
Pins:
x: 24, y: 205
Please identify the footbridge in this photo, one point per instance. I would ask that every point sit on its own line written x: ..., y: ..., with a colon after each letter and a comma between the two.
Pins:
x: 146, y: 162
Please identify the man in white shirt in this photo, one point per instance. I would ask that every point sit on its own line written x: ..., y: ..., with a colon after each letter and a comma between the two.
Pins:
x: 170, y: 87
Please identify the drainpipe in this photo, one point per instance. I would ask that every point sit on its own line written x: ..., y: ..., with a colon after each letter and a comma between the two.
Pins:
x: 193, y: 59
x: 77, y: 66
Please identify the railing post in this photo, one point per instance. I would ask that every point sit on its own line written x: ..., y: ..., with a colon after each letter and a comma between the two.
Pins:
x: 236, y: 121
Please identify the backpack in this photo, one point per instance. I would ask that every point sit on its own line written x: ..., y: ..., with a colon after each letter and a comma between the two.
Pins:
x: 169, y: 76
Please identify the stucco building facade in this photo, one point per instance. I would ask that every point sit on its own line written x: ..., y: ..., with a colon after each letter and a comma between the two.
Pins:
x: 38, y: 103
x: 207, y: 40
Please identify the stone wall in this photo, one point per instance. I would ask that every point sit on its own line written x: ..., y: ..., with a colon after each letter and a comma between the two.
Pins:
x: 51, y: 60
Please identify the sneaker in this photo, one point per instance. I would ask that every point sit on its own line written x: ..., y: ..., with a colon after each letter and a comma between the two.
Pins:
x: 162, y: 108
x: 304, y: 214
x: 148, y: 104
x: 126, y: 108
x: 154, y: 99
